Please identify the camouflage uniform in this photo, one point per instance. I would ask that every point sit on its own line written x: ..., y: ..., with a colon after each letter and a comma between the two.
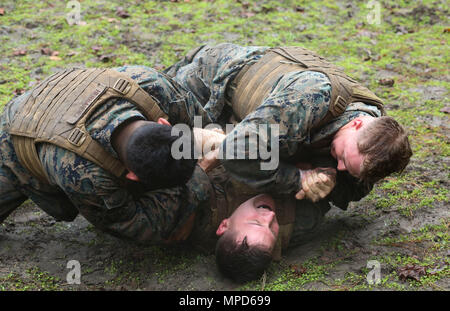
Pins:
x: 79, y: 186
x: 123, y: 210
x: 221, y: 195
x: 297, y: 102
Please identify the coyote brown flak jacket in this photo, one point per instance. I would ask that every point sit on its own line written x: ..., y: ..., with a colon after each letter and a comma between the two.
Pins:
x: 309, y: 99
x: 56, y: 111
x: 41, y: 130
x: 63, y: 181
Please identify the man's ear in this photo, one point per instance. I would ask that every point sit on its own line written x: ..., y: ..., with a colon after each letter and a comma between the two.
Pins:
x: 132, y: 176
x: 357, y: 123
x: 163, y: 121
x: 223, y: 227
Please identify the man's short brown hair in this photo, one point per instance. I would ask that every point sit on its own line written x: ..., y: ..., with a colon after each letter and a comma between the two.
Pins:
x: 385, y: 145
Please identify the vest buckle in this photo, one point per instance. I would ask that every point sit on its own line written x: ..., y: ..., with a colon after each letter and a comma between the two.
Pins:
x: 76, y: 137
x: 121, y: 86
x: 339, y: 105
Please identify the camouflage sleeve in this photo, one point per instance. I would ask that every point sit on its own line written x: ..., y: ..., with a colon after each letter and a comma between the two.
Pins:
x: 298, y: 102
x: 178, y: 103
x: 147, y: 216
x: 348, y: 189
x: 207, y: 75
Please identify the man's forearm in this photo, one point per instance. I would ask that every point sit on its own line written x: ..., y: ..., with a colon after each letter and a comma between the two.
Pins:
x: 284, y: 179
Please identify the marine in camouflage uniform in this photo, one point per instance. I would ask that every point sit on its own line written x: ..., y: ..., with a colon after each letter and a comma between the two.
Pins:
x: 298, y: 101
x: 221, y: 195
x: 76, y: 185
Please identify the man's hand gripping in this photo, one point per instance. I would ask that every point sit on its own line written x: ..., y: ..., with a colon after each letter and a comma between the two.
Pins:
x: 210, y: 143
x: 316, y: 183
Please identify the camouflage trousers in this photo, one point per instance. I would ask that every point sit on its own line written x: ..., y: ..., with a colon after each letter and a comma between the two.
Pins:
x: 17, y: 185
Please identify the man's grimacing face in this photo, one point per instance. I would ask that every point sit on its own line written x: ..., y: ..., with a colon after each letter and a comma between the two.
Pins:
x: 254, y: 219
x: 344, y: 147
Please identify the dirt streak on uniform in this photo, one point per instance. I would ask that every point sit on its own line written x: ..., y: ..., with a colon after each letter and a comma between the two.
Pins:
x: 79, y: 186
x: 298, y: 102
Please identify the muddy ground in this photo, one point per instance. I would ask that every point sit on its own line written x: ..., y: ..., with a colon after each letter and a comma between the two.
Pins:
x: 403, y: 225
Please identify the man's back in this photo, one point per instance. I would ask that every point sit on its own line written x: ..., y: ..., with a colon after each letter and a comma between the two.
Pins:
x: 298, y: 101
x: 81, y: 186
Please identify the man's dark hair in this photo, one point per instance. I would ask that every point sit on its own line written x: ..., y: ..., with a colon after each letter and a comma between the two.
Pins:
x: 148, y: 155
x: 239, y: 261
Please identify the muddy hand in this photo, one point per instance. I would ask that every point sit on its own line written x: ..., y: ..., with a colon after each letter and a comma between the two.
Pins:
x: 316, y: 183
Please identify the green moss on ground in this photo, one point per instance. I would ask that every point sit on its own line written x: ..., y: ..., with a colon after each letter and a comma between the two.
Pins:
x: 408, y: 46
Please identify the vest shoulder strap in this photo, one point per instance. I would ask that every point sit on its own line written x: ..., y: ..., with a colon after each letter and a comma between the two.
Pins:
x: 256, y: 82
x: 57, y: 110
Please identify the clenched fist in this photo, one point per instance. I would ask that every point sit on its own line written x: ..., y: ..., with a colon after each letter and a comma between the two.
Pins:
x: 316, y: 183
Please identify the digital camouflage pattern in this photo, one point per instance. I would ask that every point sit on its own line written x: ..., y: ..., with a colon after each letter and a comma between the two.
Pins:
x: 79, y: 186
x: 207, y: 75
x: 125, y: 210
x: 297, y: 102
x: 225, y: 195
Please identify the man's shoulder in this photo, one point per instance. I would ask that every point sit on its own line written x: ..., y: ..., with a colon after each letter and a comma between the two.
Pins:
x: 307, y: 95
x: 364, y: 109
x: 137, y: 72
x: 308, y: 80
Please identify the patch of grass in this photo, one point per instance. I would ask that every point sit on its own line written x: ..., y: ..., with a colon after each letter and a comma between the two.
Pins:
x: 437, y: 268
x: 34, y: 279
x: 174, y: 263
x: 408, y: 193
x: 438, y: 235
x: 430, y: 246
x: 292, y: 277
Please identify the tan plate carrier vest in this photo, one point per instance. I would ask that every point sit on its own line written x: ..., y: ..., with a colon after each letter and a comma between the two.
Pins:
x: 57, y: 109
x: 254, y: 82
